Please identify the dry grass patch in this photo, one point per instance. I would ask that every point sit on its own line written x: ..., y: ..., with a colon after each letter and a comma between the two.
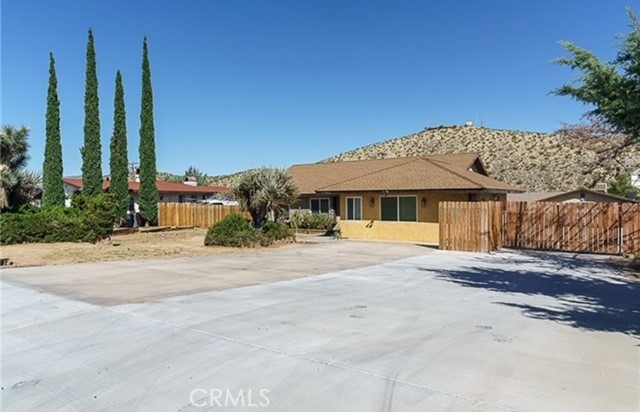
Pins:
x: 182, y: 243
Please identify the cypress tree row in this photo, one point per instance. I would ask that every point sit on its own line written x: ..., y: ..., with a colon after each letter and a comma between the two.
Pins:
x: 91, y: 151
x: 148, y: 173
x: 52, y: 185
x: 118, y: 161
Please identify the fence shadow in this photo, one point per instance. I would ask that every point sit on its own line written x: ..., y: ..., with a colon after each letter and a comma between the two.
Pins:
x: 591, y: 303
x: 586, y: 263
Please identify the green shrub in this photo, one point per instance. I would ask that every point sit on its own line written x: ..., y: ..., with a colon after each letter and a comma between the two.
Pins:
x: 318, y: 221
x: 98, y: 215
x: 296, y: 219
x: 277, y: 231
x: 89, y: 220
x: 234, y: 230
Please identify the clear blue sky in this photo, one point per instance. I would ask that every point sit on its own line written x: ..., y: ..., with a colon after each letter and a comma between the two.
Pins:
x: 240, y: 84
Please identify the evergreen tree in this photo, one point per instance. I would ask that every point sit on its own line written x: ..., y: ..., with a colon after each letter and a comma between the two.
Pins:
x: 621, y: 185
x: 612, y: 88
x: 91, y: 151
x: 201, y: 178
x: 148, y: 173
x: 118, y: 161
x: 52, y: 185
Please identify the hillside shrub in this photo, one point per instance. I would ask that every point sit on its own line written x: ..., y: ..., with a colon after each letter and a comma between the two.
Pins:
x: 88, y: 220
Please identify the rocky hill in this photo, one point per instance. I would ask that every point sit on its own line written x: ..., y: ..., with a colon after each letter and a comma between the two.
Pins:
x: 529, y: 160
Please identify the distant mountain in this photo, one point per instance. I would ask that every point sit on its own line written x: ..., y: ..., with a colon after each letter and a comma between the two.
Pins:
x: 529, y: 160
x: 536, y: 162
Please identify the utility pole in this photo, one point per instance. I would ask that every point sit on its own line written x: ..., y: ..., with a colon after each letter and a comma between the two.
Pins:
x: 133, y: 166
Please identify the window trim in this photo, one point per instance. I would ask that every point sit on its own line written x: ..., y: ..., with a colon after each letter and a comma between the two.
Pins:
x: 347, y: 207
x: 319, y: 199
x: 398, y: 208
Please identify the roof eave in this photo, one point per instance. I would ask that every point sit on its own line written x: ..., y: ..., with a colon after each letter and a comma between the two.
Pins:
x: 475, y: 190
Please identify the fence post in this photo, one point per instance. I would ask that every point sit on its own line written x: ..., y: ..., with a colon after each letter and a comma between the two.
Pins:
x: 620, y: 232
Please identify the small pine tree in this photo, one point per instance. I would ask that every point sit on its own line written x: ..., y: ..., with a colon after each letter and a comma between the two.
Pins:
x: 621, y: 185
x: 52, y: 185
x: 148, y: 173
x: 91, y: 151
x: 118, y: 162
x: 201, y: 178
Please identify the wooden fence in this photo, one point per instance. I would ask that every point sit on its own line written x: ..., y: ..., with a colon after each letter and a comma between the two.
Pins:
x: 194, y: 214
x: 610, y: 228
x: 470, y: 226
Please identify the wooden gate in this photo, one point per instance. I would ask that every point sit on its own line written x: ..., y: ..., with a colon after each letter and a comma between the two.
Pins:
x: 470, y: 226
x: 609, y: 228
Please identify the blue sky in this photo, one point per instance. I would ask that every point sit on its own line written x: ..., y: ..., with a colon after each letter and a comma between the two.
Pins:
x: 240, y: 84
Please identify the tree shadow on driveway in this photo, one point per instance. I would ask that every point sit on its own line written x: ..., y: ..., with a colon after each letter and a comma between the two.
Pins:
x: 588, y: 293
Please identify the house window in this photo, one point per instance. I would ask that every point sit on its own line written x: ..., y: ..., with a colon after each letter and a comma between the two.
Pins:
x: 319, y: 205
x: 354, y: 208
x: 399, y: 208
x: 181, y: 199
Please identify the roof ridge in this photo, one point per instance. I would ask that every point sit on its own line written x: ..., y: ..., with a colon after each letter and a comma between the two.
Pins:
x: 323, y: 162
x: 456, y: 173
x: 408, y: 160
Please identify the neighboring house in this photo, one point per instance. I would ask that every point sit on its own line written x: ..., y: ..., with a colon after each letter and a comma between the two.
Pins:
x: 168, y: 191
x: 396, y: 198
x: 578, y: 195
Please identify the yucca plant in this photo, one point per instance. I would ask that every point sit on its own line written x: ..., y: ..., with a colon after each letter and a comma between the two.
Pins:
x: 266, y: 193
x: 17, y: 185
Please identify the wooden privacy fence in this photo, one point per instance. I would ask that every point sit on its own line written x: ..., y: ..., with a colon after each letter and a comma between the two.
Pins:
x: 470, y: 226
x: 194, y: 214
x: 610, y: 228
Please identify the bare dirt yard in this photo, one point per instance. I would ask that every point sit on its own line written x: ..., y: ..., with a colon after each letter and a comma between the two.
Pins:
x: 140, y: 245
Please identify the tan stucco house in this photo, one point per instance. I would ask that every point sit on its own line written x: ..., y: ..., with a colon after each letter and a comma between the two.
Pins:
x: 396, y: 198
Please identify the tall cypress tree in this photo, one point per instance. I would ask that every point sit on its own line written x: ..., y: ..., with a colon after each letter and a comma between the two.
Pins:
x: 91, y: 151
x: 118, y: 162
x: 148, y: 173
x: 52, y: 185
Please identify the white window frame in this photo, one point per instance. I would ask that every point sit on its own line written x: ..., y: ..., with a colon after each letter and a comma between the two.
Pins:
x: 346, y: 216
x: 398, y: 208
x: 320, y: 199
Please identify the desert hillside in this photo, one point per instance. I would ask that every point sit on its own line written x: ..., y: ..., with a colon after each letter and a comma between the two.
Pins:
x: 529, y: 160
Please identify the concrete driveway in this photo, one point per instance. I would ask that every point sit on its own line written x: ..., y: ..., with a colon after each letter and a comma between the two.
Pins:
x: 437, y: 331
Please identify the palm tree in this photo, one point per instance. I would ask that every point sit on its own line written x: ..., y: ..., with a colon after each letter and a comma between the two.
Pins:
x: 17, y: 185
x: 266, y: 193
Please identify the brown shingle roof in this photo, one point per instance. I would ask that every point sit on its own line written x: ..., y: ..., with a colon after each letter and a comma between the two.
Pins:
x: 437, y: 172
x: 531, y: 196
x: 163, y: 187
x: 554, y: 196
